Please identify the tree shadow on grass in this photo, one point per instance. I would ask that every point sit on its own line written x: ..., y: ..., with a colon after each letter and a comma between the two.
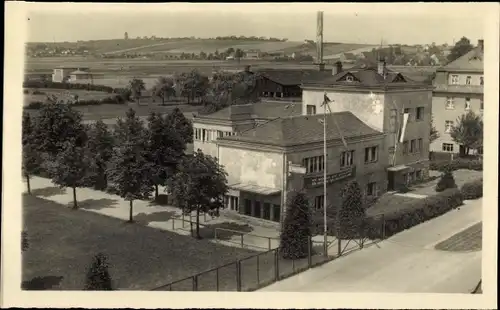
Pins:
x: 161, y: 216
x: 48, y: 191
x: 41, y: 283
x: 97, y: 204
x: 208, y: 231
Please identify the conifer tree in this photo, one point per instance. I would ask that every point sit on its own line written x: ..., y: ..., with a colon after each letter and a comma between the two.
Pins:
x: 352, y: 211
x: 98, y: 277
x: 294, y: 239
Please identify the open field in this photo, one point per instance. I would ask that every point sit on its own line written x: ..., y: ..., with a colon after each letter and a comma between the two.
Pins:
x: 42, y: 94
x: 62, y: 243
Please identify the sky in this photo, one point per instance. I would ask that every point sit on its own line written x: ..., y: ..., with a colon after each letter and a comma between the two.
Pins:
x: 395, y: 23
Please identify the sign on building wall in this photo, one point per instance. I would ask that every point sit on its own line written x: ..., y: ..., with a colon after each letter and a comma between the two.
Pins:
x: 330, y: 179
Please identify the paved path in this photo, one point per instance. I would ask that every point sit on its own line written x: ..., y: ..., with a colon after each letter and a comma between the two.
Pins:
x: 406, y: 262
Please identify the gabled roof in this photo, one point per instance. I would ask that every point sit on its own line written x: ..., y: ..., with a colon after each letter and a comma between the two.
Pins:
x: 473, y: 60
x: 358, y: 76
x: 259, y: 110
x: 303, y: 129
x: 291, y: 77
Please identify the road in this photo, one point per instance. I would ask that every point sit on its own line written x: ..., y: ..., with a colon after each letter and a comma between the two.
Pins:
x: 404, y: 263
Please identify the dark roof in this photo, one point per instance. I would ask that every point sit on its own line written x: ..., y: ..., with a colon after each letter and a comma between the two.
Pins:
x: 259, y: 110
x: 303, y: 129
x: 473, y: 61
x: 362, y: 75
x: 291, y: 77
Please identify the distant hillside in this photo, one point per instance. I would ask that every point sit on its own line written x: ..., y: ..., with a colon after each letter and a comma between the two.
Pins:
x: 178, y: 46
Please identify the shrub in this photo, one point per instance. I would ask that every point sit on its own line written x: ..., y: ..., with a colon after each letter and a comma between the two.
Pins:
x: 34, y: 105
x: 458, y: 163
x: 473, y: 189
x: 412, y: 213
x: 98, y: 278
x: 60, y: 85
x: 446, y: 181
x: 26, y: 91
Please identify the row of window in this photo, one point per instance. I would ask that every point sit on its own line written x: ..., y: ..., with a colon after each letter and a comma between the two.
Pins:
x: 371, y: 190
x: 415, y: 146
x: 418, y: 115
x: 317, y: 163
x: 450, y: 103
x: 206, y: 135
x: 447, y: 147
x: 468, y: 79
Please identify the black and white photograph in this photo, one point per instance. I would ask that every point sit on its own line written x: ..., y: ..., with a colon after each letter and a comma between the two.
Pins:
x: 159, y: 148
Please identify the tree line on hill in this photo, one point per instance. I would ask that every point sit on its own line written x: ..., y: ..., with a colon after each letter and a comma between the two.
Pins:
x: 133, y: 160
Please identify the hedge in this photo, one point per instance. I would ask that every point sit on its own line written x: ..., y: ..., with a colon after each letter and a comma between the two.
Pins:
x: 458, y: 163
x: 60, y: 85
x: 35, y: 105
x: 473, y: 189
x: 412, y: 213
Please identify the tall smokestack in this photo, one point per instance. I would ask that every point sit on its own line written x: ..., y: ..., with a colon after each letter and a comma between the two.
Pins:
x: 319, y: 41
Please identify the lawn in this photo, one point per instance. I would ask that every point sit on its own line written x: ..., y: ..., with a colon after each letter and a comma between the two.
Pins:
x: 470, y: 239
x: 461, y: 176
x: 62, y: 243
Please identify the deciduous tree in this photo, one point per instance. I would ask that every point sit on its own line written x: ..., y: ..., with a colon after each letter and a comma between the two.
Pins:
x: 98, y: 277
x: 462, y: 47
x: 181, y: 124
x: 55, y: 124
x: 99, y: 149
x: 165, y: 147
x: 468, y: 132
x: 164, y: 88
x: 199, y: 185
x: 69, y: 168
x: 136, y: 87
x: 434, y: 134
x: 128, y: 170
x: 296, y: 234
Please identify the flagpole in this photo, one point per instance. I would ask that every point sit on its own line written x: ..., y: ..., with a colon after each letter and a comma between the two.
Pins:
x: 325, y: 165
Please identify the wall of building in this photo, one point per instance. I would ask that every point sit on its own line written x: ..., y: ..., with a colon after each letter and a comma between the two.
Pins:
x: 475, y: 78
x: 365, y: 172
x: 208, y: 147
x: 252, y: 167
x: 360, y: 103
x: 415, y: 129
x: 442, y: 113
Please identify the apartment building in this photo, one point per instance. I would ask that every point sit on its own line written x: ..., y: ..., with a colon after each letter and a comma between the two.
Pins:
x: 379, y: 97
x: 458, y: 90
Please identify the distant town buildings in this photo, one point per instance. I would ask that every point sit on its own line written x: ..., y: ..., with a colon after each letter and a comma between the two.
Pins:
x: 458, y: 89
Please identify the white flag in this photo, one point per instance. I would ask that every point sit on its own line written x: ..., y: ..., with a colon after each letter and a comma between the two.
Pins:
x: 403, y: 127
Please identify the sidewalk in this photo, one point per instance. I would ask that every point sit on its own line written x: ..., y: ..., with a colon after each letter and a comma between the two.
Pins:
x: 406, y: 262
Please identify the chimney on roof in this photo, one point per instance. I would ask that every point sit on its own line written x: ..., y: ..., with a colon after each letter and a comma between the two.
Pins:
x: 337, y: 68
x: 381, y: 66
x: 480, y: 44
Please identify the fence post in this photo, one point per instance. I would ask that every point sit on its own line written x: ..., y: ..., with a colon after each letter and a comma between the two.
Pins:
x: 309, y: 252
x: 241, y: 240
x: 258, y: 267
x: 383, y: 227
x: 238, y: 276
x: 205, y: 216
x: 276, y: 264
x: 217, y: 278
x: 269, y: 243
x: 339, y: 243
x: 195, y: 283
x: 173, y: 223
x: 215, y: 236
